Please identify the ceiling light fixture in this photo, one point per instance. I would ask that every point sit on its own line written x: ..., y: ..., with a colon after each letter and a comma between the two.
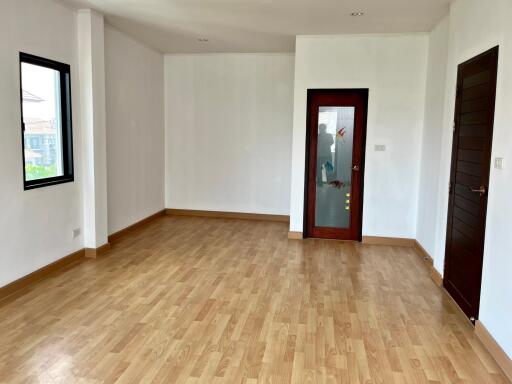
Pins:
x: 202, y: 40
x: 357, y: 14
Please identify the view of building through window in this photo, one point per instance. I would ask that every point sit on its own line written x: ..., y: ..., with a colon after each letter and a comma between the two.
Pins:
x: 42, y: 122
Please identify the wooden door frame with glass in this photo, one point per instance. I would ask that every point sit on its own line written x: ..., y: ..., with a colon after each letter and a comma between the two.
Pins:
x: 352, y: 190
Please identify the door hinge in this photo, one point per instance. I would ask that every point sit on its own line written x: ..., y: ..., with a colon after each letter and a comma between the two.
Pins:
x: 454, y: 126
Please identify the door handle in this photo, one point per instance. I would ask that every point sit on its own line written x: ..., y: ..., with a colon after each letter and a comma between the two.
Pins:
x: 355, y: 168
x: 481, y: 190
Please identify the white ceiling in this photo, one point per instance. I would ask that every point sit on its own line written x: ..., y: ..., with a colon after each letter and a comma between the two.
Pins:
x: 174, y: 26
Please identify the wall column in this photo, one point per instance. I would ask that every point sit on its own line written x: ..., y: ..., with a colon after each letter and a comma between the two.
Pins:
x: 91, y: 56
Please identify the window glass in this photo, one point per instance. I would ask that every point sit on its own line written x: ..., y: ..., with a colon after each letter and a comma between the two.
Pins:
x: 42, y: 121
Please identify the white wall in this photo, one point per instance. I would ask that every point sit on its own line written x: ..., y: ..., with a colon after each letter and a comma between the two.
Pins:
x: 135, y: 130
x: 432, y: 132
x: 228, y: 132
x: 469, y: 35
x: 393, y: 67
x: 35, y: 226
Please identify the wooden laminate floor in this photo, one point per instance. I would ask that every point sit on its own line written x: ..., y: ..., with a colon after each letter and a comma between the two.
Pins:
x: 197, y: 300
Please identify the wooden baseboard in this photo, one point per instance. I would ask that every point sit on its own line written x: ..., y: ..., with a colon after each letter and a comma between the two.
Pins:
x: 94, y: 253
x: 393, y: 241
x: 40, y: 274
x: 119, y: 234
x: 295, y: 235
x: 423, y: 253
x: 501, y: 357
x: 434, y: 274
x: 228, y: 215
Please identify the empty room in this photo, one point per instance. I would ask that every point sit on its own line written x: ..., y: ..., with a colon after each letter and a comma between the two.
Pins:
x: 255, y: 191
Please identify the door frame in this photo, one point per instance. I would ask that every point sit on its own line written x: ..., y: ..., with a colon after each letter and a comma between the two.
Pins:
x: 493, y: 52
x: 310, y: 92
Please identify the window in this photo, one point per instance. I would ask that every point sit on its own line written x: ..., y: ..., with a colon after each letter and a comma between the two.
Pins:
x: 46, y: 122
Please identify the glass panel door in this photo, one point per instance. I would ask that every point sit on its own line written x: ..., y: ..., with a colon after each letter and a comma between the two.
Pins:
x: 334, y: 166
x: 335, y: 163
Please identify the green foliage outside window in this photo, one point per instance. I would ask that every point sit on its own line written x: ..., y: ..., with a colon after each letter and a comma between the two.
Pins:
x: 35, y: 172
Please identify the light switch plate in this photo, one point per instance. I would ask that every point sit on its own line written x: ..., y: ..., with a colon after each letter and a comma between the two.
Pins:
x: 498, y: 163
x: 380, y: 148
x: 76, y: 232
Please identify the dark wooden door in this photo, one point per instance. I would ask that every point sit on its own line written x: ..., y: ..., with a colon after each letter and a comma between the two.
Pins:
x: 335, y: 163
x: 471, y: 163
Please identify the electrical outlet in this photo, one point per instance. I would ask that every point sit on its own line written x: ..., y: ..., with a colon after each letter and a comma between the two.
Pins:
x: 76, y: 232
x: 380, y: 148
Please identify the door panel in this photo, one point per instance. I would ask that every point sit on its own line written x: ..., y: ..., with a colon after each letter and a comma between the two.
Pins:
x: 336, y: 132
x: 471, y: 161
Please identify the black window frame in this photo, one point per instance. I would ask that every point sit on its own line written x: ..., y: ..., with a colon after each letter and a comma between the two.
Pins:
x: 66, y: 122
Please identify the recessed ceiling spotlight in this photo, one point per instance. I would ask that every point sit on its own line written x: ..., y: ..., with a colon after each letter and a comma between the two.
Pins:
x: 357, y: 14
x: 202, y: 40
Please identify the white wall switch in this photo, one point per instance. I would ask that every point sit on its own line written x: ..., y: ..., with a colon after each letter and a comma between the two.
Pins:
x: 380, y: 148
x: 76, y: 232
x: 498, y: 163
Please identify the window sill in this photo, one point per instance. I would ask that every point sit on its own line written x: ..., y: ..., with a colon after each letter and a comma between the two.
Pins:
x: 35, y: 184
